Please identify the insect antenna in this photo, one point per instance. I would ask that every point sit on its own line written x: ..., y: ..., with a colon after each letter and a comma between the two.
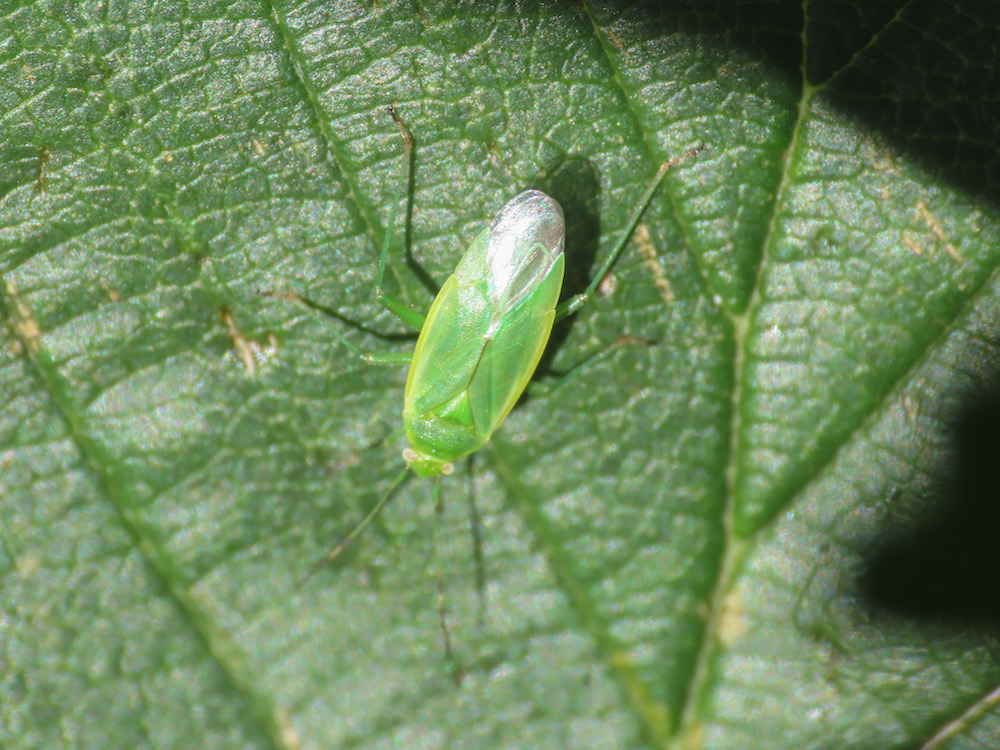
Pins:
x: 360, y: 526
x: 457, y: 673
x: 454, y: 666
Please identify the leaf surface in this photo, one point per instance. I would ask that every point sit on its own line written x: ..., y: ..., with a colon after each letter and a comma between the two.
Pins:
x: 747, y: 501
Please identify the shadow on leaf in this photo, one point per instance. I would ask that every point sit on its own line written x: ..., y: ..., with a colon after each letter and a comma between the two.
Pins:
x: 949, y: 567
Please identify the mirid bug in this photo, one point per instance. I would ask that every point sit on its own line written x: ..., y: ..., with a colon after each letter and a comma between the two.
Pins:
x: 485, y: 332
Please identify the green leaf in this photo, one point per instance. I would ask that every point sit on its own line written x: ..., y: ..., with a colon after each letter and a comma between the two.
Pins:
x: 748, y: 501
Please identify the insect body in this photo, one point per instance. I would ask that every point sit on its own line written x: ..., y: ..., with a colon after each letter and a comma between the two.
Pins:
x: 484, y: 333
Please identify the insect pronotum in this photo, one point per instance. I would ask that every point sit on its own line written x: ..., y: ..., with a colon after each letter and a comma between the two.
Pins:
x: 484, y: 334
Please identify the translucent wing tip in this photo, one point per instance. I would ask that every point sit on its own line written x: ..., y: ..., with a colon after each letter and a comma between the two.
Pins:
x: 532, y: 216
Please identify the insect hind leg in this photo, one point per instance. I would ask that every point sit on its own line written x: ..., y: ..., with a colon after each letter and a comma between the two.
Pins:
x: 570, y: 306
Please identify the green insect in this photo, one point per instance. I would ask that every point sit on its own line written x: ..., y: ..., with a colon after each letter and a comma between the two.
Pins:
x: 484, y: 334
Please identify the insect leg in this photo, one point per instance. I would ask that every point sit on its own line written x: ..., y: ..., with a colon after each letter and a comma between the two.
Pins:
x: 393, y: 304
x: 563, y: 378
x: 375, y: 358
x: 361, y: 525
x: 386, y: 358
x: 453, y: 665
x: 570, y: 306
x: 476, y: 527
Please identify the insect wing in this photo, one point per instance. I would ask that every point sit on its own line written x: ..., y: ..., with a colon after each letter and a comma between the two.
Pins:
x: 524, y: 242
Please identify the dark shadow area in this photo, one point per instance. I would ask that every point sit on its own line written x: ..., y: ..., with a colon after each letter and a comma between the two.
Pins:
x: 948, y: 567
x: 930, y: 86
x: 924, y: 74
